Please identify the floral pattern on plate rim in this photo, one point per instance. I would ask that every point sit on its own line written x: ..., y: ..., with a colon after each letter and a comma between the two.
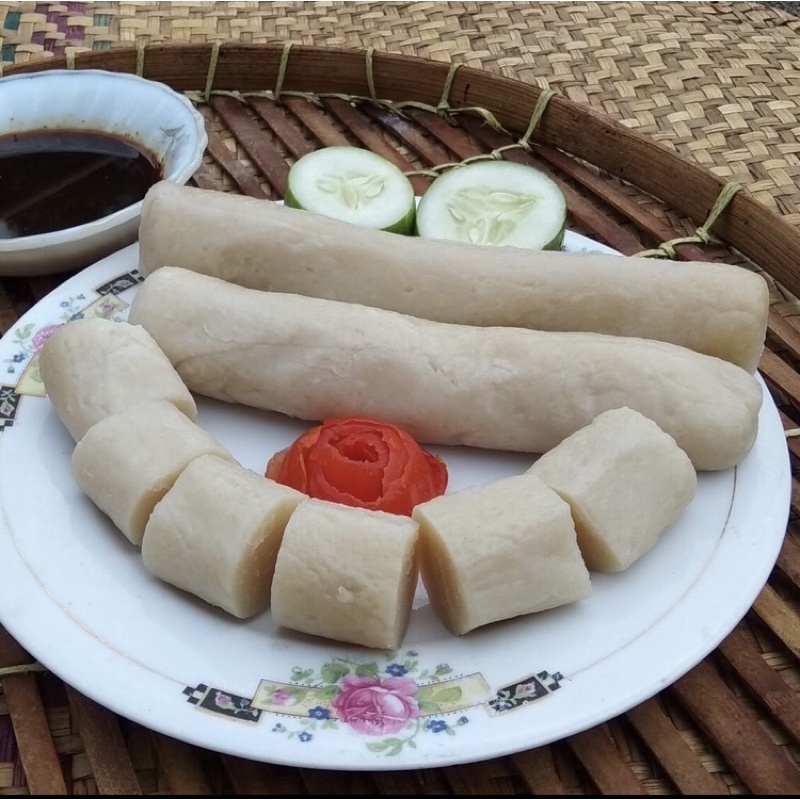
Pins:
x: 389, y: 702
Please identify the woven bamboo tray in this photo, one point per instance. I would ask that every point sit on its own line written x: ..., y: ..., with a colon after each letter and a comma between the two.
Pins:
x: 732, y: 724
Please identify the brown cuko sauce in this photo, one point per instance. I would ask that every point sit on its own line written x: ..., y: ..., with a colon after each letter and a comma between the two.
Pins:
x: 56, y: 179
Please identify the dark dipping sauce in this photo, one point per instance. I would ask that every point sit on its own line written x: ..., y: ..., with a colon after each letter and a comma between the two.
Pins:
x: 56, y: 179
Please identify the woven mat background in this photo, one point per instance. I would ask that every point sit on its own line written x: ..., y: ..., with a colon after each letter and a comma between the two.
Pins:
x: 719, y: 82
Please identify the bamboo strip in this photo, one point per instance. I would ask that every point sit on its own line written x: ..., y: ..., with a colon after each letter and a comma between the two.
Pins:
x: 598, y: 754
x: 110, y: 762
x: 182, y: 768
x: 685, y: 770
x: 467, y: 780
x: 778, y: 373
x: 319, y: 783
x: 243, y: 178
x: 760, y: 763
x: 784, y: 622
x: 399, y: 784
x: 766, y: 684
x: 279, y: 123
x: 36, y: 750
x: 789, y: 558
x: 784, y: 333
x: 316, y: 121
x: 29, y: 721
x: 449, y: 135
x: 537, y: 768
x: 251, y: 138
x: 794, y: 500
x: 203, y: 179
x: 249, y: 778
x: 426, y: 149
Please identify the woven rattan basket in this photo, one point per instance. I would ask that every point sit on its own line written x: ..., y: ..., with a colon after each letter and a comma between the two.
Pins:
x: 266, y: 106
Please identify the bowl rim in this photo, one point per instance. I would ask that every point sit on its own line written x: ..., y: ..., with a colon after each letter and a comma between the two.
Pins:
x: 123, y: 215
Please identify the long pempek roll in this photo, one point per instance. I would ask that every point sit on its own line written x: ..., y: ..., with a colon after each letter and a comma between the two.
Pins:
x: 500, y: 388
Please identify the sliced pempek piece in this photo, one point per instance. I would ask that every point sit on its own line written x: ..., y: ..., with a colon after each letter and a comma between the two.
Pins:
x: 92, y: 368
x: 625, y: 480
x: 127, y: 462
x: 346, y: 573
x: 499, y: 551
x: 216, y: 534
x: 498, y: 388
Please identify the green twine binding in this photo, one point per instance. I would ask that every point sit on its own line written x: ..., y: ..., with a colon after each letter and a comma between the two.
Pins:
x: 69, y: 59
x: 22, y: 669
x: 212, y: 69
x: 444, y: 102
x: 536, y: 116
x: 140, y: 59
x: 370, y: 76
x: 282, y: 65
x: 703, y: 234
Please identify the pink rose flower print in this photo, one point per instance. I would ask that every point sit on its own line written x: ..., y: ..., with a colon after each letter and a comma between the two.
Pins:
x: 375, y: 707
x: 41, y: 336
x: 280, y: 697
x: 222, y: 700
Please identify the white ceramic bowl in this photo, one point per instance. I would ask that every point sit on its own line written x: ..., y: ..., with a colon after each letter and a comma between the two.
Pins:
x: 151, y: 114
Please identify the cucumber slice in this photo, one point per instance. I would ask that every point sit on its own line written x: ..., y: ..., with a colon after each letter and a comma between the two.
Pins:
x: 353, y: 185
x: 494, y: 203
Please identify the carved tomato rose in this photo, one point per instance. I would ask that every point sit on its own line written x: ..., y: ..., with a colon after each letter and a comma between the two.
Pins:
x: 361, y: 462
x: 375, y: 707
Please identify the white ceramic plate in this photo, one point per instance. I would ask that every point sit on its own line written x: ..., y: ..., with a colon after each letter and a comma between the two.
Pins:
x: 75, y: 594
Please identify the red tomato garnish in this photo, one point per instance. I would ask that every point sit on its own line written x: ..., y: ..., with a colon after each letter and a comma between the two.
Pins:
x: 361, y: 462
